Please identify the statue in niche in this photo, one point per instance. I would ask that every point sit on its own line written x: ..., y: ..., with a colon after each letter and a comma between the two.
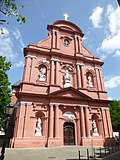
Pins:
x: 89, y: 81
x: 38, y: 128
x: 42, y: 76
x: 94, y: 128
x: 67, y: 79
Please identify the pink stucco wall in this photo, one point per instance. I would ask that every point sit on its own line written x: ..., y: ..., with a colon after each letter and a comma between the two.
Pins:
x: 48, y: 97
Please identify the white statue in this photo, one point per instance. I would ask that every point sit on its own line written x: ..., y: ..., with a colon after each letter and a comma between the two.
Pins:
x: 67, y: 79
x: 94, y: 128
x: 90, y: 83
x: 42, y: 74
x: 38, y: 128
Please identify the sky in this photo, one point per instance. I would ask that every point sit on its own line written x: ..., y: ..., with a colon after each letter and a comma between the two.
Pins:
x: 98, y: 20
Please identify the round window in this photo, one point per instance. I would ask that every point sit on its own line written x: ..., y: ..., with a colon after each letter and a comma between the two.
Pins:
x: 66, y: 42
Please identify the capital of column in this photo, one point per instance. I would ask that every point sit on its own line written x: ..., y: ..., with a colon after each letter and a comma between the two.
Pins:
x: 29, y: 103
x: 56, y: 105
x: 56, y: 60
x: 23, y: 103
x: 97, y: 68
x: 30, y: 56
x: 86, y: 107
x: 77, y: 37
x: 81, y: 106
x: 51, y: 105
x: 104, y: 108
x: 79, y: 64
x: 55, y: 31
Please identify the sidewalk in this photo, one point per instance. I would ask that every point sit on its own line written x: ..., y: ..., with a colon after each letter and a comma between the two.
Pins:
x: 61, y: 153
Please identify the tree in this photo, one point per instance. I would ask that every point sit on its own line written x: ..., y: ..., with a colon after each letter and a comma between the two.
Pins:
x: 9, y: 8
x: 115, y: 114
x: 5, y: 96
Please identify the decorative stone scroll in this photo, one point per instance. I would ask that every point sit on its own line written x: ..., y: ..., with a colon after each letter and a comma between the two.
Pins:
x: 69, y: 116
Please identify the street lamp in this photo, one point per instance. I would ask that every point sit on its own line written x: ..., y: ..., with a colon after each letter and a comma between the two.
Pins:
x: 9, y: 109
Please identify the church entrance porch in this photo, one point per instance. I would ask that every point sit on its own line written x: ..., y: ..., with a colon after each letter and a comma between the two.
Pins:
x: 69, y: 133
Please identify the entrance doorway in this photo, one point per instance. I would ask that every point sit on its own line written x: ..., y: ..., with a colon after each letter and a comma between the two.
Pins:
x: 69, y: 133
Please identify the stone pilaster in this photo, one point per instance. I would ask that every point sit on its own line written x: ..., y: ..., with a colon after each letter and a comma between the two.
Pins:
x: 52, y: 72
x: 98, y: 78
x: 104, y: 118
x: 109, y: 122
x: 51, y: 121
x: 78, y: 76
x: 21, y: 119
x: 57, y: 72
x: 32, y: 75
x: 27, y: 69
x: 87, y: 121
x: 56, y: 121
x: 82, y: 120
x: 101, y: 79
x: 83, y: 76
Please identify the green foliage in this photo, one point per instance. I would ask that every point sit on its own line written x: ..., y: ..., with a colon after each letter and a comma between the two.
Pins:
x: 115, y: 115
x: 9, y: 8
x: 5, y: 96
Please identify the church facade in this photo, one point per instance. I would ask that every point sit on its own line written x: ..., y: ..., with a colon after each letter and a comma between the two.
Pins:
x: 62, y: 98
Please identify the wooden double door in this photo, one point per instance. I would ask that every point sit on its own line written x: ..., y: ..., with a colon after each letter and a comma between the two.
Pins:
x: 69, y: 133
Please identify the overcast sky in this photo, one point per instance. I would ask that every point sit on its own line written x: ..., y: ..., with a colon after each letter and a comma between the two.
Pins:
x: 99, y: 21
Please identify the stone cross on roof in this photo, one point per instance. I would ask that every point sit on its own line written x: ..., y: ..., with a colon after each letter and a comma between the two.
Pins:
x: 66, y: 16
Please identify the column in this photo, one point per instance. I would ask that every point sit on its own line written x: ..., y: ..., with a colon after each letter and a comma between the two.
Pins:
x: 87, y: 121
x: 27, y: 68
x: 76, y: 43
x: 52, y: 72
x: 57, y: 73
x: 57, y: 40
x: 109, y: 122
x: 54, y: 39
x: 27, y: 129
x: 51, y: 121
x: 56, y: 121
x: 82, y: 120
x: 20, y: 126
x: 80, y: 43
x: 83, y: 77
x: 105, y: 128
x: 98, y: 79
x: 78, y: 128
x: 32, y: 75
x: 78, y: 76
x: 78, y: 40
x: 101, y: 79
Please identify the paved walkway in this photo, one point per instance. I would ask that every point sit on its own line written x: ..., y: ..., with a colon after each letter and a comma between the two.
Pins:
x: 61, y: 153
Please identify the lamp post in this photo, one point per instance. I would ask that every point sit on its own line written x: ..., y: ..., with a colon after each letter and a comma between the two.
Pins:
x: 9, y: 109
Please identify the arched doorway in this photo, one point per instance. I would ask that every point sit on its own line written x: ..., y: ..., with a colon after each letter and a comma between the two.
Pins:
x: 69, y: 133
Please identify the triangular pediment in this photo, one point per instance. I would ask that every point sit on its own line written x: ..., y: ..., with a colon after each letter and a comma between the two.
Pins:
x: 69, y: 92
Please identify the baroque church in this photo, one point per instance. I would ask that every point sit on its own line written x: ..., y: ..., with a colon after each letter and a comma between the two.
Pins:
x: 61, y: 99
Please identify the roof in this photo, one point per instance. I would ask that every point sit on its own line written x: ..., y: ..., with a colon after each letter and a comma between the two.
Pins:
x: 16, y: 84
